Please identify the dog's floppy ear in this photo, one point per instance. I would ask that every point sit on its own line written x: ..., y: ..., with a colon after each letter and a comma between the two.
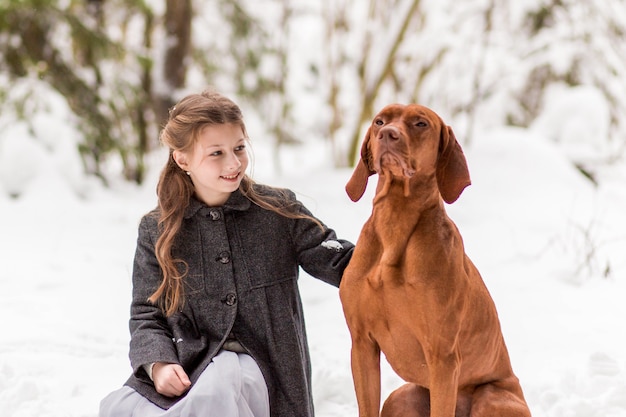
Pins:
x: 358, y: 182
x: 452, y: 173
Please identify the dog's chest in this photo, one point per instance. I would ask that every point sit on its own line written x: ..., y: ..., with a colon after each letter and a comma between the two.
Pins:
x: 402, y: 246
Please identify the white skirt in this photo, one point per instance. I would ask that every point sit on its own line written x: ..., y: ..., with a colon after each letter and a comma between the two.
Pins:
x: 231, y: 386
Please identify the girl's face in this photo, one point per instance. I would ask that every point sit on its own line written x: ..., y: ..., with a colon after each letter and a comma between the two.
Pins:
x: 217, y: 162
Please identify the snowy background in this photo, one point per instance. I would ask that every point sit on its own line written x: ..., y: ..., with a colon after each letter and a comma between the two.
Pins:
x: 549, y: 243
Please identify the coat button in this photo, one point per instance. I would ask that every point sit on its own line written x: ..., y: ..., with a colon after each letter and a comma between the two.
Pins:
x: 231, y: 299
x: 214, y: 214
x: 223, y: 258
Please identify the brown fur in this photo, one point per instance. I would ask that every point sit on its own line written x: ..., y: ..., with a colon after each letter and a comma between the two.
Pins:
x: 410, y: 290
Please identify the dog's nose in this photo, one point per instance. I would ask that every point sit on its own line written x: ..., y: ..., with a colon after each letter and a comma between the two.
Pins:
x: 389, y: 133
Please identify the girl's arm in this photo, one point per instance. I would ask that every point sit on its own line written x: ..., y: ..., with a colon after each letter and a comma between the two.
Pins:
x: 151, y: 337
x: 320, y: 252
x: 170, y: 379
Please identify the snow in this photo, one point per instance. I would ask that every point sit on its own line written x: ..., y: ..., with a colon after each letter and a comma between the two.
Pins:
x: 548, y: 243
x: 332, y: 245
x: 577, y: 117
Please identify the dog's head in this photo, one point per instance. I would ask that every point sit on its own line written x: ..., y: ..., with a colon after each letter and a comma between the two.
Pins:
x: 411, y: 141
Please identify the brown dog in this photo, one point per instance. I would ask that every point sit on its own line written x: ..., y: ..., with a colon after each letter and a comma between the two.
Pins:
x: 410, y: 290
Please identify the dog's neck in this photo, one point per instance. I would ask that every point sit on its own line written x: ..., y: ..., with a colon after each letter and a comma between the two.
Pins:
x: 403, y: 191
x: 423, y: 205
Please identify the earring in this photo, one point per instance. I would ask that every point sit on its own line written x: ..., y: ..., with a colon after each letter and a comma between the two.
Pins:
x: 187, y: 172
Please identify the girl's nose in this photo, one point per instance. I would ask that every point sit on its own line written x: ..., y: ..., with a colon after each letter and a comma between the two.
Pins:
x: 233, y: 161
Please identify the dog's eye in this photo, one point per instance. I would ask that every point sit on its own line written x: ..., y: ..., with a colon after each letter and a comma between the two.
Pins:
x: 421, y: 124
x: 379, y: 122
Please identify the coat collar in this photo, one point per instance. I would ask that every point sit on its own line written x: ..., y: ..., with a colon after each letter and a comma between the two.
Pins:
x: 236, y: 202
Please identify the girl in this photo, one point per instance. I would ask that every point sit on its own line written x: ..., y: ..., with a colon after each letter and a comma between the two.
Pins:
x: 216, y: 322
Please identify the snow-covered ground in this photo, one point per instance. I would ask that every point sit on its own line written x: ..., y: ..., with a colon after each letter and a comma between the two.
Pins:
x: 549, y: 245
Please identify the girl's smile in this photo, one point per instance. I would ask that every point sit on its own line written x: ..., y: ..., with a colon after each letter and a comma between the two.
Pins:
x: 231, y: 177
x: 217, y: 162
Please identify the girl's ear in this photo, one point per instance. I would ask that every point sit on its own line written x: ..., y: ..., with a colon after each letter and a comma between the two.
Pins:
x: 180, y: 159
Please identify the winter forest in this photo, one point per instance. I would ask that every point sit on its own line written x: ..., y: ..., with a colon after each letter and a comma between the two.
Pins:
x: 535, y: 91
x: 310, y: 71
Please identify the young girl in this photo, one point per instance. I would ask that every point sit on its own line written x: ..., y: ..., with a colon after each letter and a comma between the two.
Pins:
x: 216, y: 322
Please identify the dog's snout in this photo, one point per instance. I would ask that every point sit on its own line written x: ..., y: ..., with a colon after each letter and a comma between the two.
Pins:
x: 389, y: 133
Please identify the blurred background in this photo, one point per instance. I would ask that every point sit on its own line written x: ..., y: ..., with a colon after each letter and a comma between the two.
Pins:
x: 304, y: 71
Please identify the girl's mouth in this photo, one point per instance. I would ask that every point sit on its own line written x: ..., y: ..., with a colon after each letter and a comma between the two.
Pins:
x: 230, y: 177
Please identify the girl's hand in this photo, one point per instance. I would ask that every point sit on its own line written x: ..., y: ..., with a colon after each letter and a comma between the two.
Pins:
x: 170, y: 379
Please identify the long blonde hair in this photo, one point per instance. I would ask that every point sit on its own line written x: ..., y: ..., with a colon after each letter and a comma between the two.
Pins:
x: 175, y: 188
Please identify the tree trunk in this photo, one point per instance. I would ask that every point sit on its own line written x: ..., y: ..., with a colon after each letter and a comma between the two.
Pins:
x: 178, y: 44
x: 371, y: 91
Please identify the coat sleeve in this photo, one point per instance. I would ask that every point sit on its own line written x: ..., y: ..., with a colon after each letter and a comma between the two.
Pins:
x: 151, y: 337
x: 320, y: 253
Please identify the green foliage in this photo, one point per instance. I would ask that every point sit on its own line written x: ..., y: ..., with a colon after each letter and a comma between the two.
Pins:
x: 542, y: 17
x: 113, y: 63
x: 68, y: 48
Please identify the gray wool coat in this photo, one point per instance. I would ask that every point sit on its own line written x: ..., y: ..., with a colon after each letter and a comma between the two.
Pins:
x: 242, y: 278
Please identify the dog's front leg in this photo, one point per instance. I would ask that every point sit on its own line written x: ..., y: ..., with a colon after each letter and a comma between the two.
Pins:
x: 366, y: 374
x: 444, y: 382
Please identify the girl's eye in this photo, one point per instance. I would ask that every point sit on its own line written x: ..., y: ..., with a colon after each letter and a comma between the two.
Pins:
x: 240, y: 148
x: 216, y: 153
